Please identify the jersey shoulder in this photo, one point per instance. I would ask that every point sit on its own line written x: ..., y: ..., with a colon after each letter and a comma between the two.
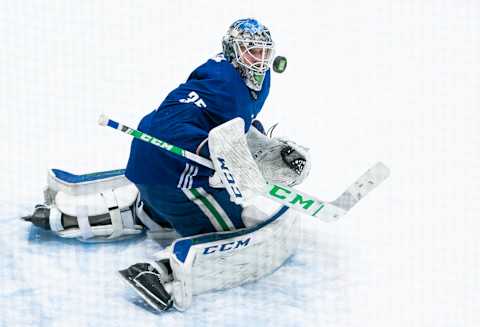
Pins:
x: 215, y: 90
x: 217, y: 71
x: 220, y: 86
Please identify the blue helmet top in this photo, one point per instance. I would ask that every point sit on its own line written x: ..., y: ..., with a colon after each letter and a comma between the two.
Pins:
x: 250, y: 25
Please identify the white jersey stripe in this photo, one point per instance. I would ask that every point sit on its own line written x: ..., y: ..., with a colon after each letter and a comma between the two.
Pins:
x: 190, y: 182
x: 182, y: 176
x: 187, y: 176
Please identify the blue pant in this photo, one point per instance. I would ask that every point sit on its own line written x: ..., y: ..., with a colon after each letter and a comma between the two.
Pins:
x: 191, y: 211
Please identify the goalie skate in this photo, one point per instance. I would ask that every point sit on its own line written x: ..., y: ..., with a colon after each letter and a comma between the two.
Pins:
x: 148, y: 282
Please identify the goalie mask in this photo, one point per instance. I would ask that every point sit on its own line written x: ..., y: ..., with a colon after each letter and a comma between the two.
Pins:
x: 249, y: 47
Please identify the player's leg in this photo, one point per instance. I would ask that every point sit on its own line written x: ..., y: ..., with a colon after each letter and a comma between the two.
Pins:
x: 191, y: 211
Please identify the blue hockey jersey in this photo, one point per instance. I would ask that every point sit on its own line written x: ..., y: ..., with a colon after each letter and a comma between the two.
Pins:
x: 213, y: 94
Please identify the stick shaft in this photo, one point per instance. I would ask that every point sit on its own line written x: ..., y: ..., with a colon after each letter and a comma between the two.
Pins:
x: 105, y: 121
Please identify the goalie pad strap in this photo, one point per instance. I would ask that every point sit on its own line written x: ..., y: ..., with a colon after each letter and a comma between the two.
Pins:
x: 86, y: 232
x: 117, y: 223
x: 55, y: 220
x: 104, y: 216
x: 144, y: 218
x: 83, y: 223
x: 114, y: 211
x: 127, y: 219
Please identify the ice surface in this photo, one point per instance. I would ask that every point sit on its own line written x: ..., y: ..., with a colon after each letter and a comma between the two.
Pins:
x: 367, y: 81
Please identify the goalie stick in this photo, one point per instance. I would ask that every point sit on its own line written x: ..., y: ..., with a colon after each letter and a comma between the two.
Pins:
x: 288, y: 196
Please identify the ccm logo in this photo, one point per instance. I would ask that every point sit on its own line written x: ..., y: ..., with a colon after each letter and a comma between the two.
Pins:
x: 229, y: 177
x: 226, y: 246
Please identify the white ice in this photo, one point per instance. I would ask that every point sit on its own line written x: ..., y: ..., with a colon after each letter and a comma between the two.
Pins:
x: 396, y: 81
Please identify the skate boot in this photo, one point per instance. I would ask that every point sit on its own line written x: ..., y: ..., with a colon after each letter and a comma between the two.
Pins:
x: 149, y: 282
x: 40, y: 216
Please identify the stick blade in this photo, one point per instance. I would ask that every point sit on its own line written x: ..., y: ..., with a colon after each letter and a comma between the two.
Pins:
x: 362, y: 186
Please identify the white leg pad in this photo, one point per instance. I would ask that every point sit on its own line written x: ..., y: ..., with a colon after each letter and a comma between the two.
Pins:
x: 223, y: 260
x: 115, y: 203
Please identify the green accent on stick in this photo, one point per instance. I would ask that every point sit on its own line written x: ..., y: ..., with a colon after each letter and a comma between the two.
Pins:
x: 306, y: 204
x: 275, y: 189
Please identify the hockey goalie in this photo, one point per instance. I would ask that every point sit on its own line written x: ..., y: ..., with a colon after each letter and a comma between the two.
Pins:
x: 197, y: 165
x: 219, y: 240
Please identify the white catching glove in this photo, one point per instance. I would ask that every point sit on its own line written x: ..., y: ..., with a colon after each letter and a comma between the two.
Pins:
x: 280, y: 161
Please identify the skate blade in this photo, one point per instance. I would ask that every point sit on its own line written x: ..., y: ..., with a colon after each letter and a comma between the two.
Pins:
x: 151, y: 302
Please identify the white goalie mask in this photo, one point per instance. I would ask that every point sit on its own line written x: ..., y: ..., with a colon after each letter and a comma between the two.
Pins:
x: 249, y: 47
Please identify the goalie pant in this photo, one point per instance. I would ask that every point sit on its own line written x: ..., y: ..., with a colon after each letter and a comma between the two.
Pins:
x: 191, y: 211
